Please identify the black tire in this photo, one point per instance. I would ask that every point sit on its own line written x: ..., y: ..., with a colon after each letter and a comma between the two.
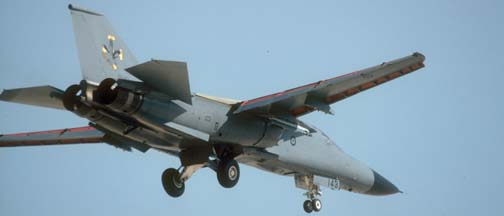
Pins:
x: 317, y: 205
x: 171, y: 182
x: 308, y: 206
x: 228, y: 173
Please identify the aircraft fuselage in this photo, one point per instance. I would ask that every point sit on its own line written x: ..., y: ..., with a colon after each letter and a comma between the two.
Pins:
x: 291, y: 150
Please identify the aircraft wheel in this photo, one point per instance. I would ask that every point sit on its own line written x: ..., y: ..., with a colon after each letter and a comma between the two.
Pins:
x: 308, y: 206
x: 172, y: 183
x: 317, y: 205
x: 228, y: 173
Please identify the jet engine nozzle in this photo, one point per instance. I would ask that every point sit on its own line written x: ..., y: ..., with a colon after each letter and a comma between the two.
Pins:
x: 117, y: 98
x: 78, y: 94
x: 105, y: 93
x: 73, y: 102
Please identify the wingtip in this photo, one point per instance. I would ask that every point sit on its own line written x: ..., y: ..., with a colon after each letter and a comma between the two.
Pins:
x: 74, y: 8
x: 420, y: 55
x: 3, y: 93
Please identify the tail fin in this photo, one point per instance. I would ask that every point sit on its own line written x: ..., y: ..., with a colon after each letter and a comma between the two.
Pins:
x: 102, y: 54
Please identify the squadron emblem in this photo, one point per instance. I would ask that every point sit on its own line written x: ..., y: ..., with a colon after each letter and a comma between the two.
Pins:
x: 110, y: 53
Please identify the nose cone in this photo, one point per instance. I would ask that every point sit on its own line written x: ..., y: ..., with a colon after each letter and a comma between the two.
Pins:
x: 382, y: 186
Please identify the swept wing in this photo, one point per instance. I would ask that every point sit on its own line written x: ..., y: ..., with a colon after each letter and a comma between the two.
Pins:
x: 319, y: 95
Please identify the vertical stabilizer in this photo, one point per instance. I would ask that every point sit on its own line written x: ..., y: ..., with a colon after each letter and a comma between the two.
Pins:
x: 102, y: 53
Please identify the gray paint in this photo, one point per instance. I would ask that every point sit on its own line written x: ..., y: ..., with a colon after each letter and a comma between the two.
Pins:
x: 43, y: 96
x: 167, y: 119
x: 168, y: 77
x: 92, y: 32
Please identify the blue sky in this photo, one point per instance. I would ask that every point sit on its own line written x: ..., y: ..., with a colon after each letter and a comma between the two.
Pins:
x: 437, y: 134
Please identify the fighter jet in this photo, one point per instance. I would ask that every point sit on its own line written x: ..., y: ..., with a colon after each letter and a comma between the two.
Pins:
x: 149, y: 105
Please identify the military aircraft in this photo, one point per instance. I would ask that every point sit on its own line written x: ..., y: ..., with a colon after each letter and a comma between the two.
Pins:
x: 150, y: 105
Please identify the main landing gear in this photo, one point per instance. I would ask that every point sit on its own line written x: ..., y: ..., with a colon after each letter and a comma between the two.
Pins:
x: 172, y: 183
x: 228, y: 174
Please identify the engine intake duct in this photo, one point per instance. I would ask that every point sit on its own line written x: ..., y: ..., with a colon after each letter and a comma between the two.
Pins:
x: 117, y: 98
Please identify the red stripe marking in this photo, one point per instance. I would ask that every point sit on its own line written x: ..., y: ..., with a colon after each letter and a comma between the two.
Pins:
x: 52, y: 142
x: 299, y: 110
x: 314, y: 84
x: 349, y: 92
x: 415, y: 66
x: 367, y: 85
x: 406, y: 70
x: 78, y: 129
x: 381, y: 80
x: 336, y: 97
x: 281, y: 93
x: 394, y: 75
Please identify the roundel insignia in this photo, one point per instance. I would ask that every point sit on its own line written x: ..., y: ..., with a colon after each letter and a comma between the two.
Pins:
x: 293, y: 140
x: 110, y: 53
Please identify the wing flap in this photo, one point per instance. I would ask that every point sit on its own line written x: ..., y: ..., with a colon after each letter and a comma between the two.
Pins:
x: 169, y: 77
x: 53, y: 137
x: 43, y: 96
x: 319, y: 95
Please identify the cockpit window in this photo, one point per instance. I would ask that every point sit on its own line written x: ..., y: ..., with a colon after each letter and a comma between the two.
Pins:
x: 327, y: 140
x: 324, y: 137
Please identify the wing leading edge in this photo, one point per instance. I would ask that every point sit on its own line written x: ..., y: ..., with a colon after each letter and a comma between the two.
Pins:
x: 79, y: 135
x: 319, y: 95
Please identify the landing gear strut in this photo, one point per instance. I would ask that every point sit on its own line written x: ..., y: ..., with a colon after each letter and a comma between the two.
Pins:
x: 228, y: 174
x: 227, y: 169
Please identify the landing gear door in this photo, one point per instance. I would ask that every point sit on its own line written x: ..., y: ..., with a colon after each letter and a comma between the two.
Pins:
x: 333, y: 184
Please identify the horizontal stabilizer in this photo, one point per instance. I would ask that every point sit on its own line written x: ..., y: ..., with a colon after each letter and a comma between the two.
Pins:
x: 67, y: 136
x: 44, y: 96
x: 168, y: 77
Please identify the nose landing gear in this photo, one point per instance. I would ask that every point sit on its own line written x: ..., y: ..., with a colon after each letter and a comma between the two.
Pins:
x: 312, y: 203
